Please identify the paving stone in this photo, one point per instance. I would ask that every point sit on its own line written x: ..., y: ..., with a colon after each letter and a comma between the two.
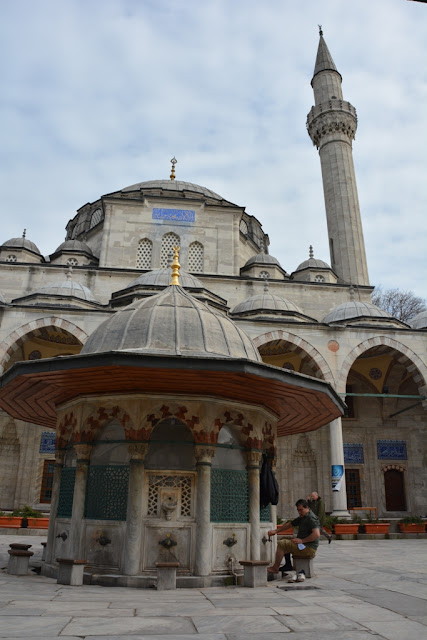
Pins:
x: 32, y: 627
x: 242, y: 624
x: 129, y: 626
x: 398, y: 602
x: 398, y: 630
x: 319, y: 622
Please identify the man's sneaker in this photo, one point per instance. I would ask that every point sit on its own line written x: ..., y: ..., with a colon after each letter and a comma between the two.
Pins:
x: 300, y: 577
x: 293, y: 578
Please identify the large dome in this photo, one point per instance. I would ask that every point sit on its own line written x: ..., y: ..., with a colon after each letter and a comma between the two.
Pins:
x: 162, y: 278
x: 174, y: 186
x: 266, y: 301
x: 172, y: 323
x: 355, y: 309
x: 419, y: 321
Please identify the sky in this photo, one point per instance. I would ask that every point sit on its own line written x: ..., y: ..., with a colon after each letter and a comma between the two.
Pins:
x: 97, y: 95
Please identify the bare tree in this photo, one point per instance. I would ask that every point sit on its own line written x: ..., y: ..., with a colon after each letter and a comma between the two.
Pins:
x: 403, y: 305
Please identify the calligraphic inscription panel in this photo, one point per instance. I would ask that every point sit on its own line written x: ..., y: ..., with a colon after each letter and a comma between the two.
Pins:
x: 179, y: 215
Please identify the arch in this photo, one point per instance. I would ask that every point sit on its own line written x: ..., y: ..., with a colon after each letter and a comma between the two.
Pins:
x: 404, y: 356
x: 169, y: 240
x: 99, y: 419
x: 294, y: 343
x: 144, y: 254
x: 17, y: 337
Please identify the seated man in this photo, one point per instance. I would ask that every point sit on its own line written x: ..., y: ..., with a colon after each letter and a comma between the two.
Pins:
x: 308, y: 535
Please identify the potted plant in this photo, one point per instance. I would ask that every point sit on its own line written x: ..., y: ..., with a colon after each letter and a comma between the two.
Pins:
x: 411, y: 524
x: 373, y: 525
x: 25, y: 513
x: 9, y: 521
x: 346, y: 527
x: 329, y: 524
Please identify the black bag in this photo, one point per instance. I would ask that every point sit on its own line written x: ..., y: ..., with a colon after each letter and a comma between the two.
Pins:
x: 268, y: 487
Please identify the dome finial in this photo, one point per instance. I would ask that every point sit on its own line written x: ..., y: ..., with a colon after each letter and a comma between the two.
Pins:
x: 320, y: 30
x: 173, y: 162
x: 175, y: 266
x: 311, y: 252
x: 24, y: 233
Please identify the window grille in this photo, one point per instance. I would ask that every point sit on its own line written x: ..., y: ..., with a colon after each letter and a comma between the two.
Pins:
x: 229, y: 495
x: 319, y: 279
x: 243, y: 227
x: 72, y: 262
x: 107, y: 492
x: 144, y: 254
x: 66, y: 492
x: 196, y: 257
x: 169, y: 241
x: 11, y: 258
x: 157, y: 482
x: 264, y: 274
x: 47, y: 481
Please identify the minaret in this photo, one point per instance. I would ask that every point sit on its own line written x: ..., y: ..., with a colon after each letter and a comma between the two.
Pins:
x: 331, y: 125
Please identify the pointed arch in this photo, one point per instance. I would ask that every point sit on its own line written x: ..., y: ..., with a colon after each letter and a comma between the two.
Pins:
x: 169, y: 240
x: 403, y: 355
x: 16, y: 339
x: 304, y: 349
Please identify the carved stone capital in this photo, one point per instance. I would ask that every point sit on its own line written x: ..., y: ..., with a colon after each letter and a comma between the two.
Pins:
x: 204, y: 453
x: 83, y: 452
x: 59, y: 457
x: 138, y: 451
x: 253, y: 458
x: 325, y: 120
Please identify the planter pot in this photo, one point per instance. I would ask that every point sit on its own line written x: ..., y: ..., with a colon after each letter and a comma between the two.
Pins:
x: 13, y: 522
x: 38, y: 523
x: 343, y: 529
x: 328, y: 530
x: 412, y: 527
x: 377, y: 527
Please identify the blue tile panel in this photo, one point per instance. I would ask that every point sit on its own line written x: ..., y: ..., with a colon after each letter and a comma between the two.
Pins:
x: 392, y: 450
x: 353, y: 454
x: 47, y: 442
x: 182, y: 215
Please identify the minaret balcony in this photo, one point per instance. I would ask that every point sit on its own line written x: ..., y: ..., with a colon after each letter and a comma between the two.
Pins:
x: 331, y: 117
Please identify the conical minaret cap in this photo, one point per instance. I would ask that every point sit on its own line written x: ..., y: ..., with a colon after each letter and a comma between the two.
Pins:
x: 324, y: 61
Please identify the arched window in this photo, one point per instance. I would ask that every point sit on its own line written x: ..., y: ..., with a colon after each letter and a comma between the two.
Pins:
x: 144, y: 253
x: 263, y: 274
x: 196, y: 257
x: 319, y: 279
x: 96, y: 218
x: 11, y: 258
x: 72, y: 262
x: 169, y: 241
x: 243, y: 227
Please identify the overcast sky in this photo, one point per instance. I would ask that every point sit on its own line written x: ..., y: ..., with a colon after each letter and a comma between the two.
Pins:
x: 99, y: 94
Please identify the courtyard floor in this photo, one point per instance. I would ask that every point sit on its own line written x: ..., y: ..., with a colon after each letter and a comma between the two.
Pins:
x: 362, y: 589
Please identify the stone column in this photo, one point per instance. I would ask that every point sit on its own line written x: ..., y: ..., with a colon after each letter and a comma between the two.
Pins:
x: 50, y: 546
x: 133, y: 541
x: 204, y: 455
x: 273, y: 515
x: 339, y: 498
x: 254, y: 458
x: 76, y: 526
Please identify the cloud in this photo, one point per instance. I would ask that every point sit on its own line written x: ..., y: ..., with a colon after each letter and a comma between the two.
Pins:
x: 99, y: 96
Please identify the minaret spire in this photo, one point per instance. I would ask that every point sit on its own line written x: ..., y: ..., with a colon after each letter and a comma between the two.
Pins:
x: 332, y: 125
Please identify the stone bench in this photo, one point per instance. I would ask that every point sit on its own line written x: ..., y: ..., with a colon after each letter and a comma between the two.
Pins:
x: 70, y: 571
x: 166, y: 575
x: 254, y: 573
x: 19, y: 558
x: 304, y: 564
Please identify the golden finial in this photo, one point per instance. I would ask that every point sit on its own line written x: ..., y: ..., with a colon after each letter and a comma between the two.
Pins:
x: 173, y: 162
x: 175, y: 266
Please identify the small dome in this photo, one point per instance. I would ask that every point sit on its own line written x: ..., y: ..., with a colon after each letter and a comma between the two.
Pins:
x: 74, y: 245
x: 22, y: 243
x: 162, y: 278
x: 172, y: 323
x: 312, y: 263
x: 355, y: 309
x: 263, y: 259
x: 68, y: 288
x: 419, y: 321
x: 266, y: 301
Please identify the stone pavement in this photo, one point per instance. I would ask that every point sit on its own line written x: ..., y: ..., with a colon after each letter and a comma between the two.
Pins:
x: 362, y: 589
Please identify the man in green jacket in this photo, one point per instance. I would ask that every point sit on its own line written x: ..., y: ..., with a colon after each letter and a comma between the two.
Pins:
x: 307, y: 540
x: 317, y: 506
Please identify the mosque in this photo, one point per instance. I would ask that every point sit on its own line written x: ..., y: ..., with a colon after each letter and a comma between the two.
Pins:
x: 142, y: 408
